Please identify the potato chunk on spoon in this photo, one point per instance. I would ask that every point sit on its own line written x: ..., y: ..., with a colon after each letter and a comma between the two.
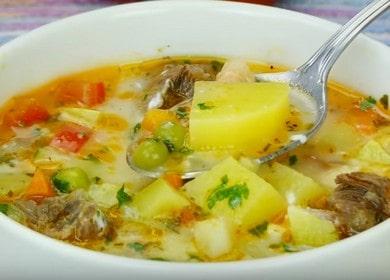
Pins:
x: 308, y: 81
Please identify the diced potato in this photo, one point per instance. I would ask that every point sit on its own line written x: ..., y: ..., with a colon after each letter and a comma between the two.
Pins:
x: 104, y: 194
x: 214, y: 237
x: 81, y: 116
x: 262, y: 203
x: 159, y: 199
x: 373, y: 152
x: 294, y: 186
x: 238, y: 115
x: 308, y: 229
x: 336, y: 136
x: 257, y: 247
x: 177, y: 246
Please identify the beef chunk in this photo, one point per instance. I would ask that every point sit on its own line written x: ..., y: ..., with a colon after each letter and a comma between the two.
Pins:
x: 361, y: 200
x: 176, y: 84
x: 68, y: 217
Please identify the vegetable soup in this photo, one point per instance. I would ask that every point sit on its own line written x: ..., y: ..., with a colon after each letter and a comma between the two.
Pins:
x: 64, y: 149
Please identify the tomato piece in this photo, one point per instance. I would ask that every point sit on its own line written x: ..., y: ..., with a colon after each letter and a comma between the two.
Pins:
x: 96, y: 94
x: 75, y: 92
x: 71, y: 137
x: 26, y: 113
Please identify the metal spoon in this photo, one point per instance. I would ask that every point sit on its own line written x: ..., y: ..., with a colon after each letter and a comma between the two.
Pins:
x: 310, y: 78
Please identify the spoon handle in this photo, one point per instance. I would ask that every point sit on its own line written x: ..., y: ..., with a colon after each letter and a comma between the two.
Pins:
x: 320, y: 64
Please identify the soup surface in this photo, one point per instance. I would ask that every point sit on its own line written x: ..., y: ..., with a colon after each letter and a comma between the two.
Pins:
x: 64, y: 149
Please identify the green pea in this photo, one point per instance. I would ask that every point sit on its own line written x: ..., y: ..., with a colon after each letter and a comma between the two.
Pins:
x: 150, y: 154
x: 171, y: 133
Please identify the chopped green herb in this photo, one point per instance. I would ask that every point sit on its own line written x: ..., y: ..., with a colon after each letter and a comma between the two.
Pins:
x: 97, y: 180
x: 91, y: 157
x: 122, y: 196
x: 194, y: 257
x: 384, y: 100
x: 288, y: 248
x: 136, y: 128
x: 172, y: 224
x: 136, y: 246
x: 185, y: 150
x: 203, y: 106
x: 235, y: 194
x: 292, y: 160
x: 146, y: 96
x: 216, y: 65
x: 169, y: 145
x: 158, y: 259
x: 259, y: 229
x: 181, y: 113
x: 367, y: 103
x: 187, y: 61
x: 4, y: 208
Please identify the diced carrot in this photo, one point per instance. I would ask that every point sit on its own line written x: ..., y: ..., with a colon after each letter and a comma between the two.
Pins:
x: 39, y: 187
x: 154, y: 117
x: 174, y: 180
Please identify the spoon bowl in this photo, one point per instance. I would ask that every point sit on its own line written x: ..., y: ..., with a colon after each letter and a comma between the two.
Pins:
x: 308, y: 80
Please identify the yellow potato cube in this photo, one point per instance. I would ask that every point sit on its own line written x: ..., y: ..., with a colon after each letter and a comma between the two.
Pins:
x: 294, y: 186
x: 159, y: 199
x: 238, y: 115
x: 373, y: 152
x: 232, y: 191
x: 308, y: 229
x: 214, y: 237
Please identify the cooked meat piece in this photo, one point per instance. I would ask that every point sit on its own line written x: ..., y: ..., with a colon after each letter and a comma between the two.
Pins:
x: 176, y: 84
x: 235, y: 71
x: 68, y: 217
x: 361, y: 200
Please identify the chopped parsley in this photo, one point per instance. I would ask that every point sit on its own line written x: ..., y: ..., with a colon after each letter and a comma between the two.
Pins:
x: 216, y: 65
x: 292, y: 160
x: 259, y: 229
x: 122, y: 196
x: 169, y: 144
x: 203, y: 106
x: 97, y: 180
x: 181, y: 113
x: 384, y: 100
x: 158, y: 259
x: 288, y: 248
x: 235, y: 194
x: 185, y: 150
x: 4, y: 208
x: 91, y: 157
x: 136, y: 128
x: 136, y: 246
x: 367, y: 103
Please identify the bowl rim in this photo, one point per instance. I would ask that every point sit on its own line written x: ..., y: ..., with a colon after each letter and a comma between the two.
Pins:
x: 60, y: 247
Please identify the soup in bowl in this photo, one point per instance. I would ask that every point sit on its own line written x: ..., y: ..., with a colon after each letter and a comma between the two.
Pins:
x: 176, y: 98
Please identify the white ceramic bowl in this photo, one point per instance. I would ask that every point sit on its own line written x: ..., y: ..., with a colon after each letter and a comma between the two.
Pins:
x: 150, y: 29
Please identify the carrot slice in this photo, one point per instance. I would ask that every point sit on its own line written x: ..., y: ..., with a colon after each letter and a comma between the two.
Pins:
x: 39, y: 187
